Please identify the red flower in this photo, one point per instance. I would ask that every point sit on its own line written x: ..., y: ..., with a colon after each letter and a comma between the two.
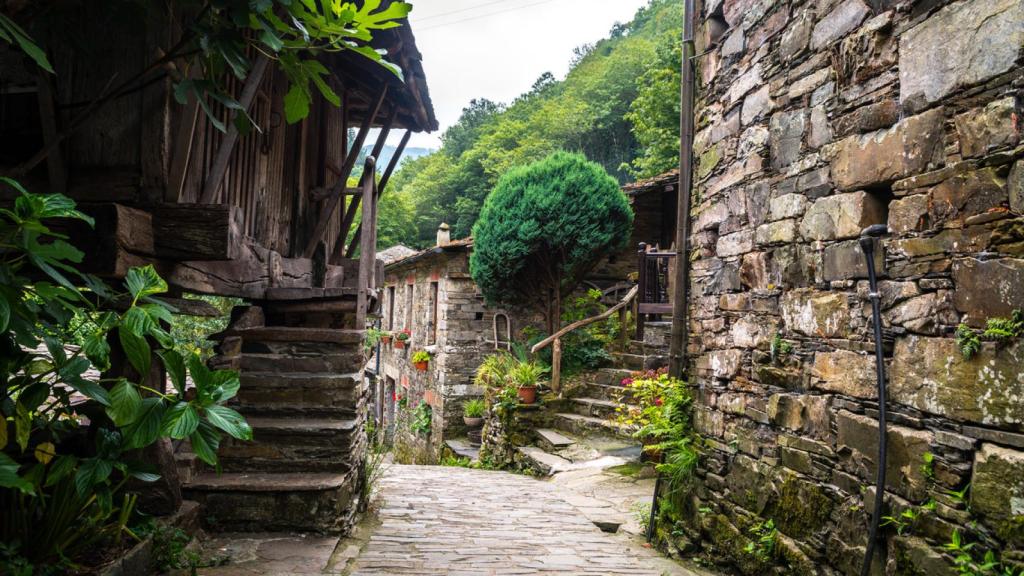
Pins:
x: 657, y: 402
x: 626, y: 381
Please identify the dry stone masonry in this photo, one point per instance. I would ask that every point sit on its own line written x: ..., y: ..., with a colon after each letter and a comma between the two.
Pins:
x: 816, y: 119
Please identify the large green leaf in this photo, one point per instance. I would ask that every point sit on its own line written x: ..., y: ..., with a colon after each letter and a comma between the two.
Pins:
x: 175, y: 366
x: 90, y: 473
x: 10, y: 30
x: 9, y: 476
x: 62, y: 465
x: 146, y: 428
x: 205, y: 442
x: 137, y: 350
x: 180, y: 421
x: 5, y: 313
x: 97, y: 349
x: 22, y: 426
x: 125, y: 402
x: 296, y: 102
x: 229, y: 421
x: 144, y: 282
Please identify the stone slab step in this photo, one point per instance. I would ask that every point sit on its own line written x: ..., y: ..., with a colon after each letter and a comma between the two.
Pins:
x: 606, y: 391
x: 595, y: 407
x: 285, y: 444
x: 543, y: 462
x: 611, y: 376
x: 261, y: 502
x: 294, y: 334
x: 552, y: 440
x: 315, y: 362
x: 579, y: 424
x: 463, y: 449
x: 264, y: 392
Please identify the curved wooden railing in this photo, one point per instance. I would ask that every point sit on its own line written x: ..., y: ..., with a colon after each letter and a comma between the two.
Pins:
x: 556, y: 352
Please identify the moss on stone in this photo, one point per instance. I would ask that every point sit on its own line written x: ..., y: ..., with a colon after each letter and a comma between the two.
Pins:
x: 801, y: 508
x: 632, y: 469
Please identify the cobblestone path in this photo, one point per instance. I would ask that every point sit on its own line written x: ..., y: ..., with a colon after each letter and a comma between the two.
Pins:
x: 454, y: 521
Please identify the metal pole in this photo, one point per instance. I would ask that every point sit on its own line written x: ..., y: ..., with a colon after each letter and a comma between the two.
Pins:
x: 680, y: 319
x: 867, y: 245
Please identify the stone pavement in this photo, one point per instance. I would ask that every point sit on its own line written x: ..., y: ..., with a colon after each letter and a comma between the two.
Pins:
x: 434, y: 520
x: 444, y: 520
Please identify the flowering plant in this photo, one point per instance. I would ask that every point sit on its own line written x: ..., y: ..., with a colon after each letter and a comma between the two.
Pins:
x: 656, y: 398
x: 404, y: 335
x: 420, y: 356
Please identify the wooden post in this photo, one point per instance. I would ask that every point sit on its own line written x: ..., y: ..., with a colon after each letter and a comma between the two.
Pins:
x: 336, y: 192
x: 367, y: 254
x: 556, y: 366
x: 641, y: 279
x: 380, y: 188
x: 350, y: 213
x: 227, y: 146
x: 623, y: 336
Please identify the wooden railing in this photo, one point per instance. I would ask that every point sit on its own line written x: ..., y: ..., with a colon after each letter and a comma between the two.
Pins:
x: 556, y: 339
x: 653, y: 281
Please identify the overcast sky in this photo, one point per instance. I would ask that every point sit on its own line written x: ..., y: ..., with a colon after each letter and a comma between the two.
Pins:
x: 496, y: 48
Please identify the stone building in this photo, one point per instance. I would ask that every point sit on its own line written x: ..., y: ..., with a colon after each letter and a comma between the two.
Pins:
x: 815, y: 120
x: 432, y: 294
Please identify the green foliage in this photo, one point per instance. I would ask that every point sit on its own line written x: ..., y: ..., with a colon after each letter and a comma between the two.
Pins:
x: 1002, y: 331
x: 372, y: 338
x: 968, y: 562
x: 455, y: 461
x: 191, y: 333
x: 902, y: 522
x: 587, y: 347
x: 11, y: 33
x: 62, y: 484
x: 780, y: 348
x: 655, y: 112
x: 642, y: 514
x: 422, y: 419
x: 544, y: 227
x: 526, y: 374
x: 591, y: 111
x: 494, y: 370
x: 475, y: 408
x: 928, y: 465
x: 420, y: 356
x: 763, y: 545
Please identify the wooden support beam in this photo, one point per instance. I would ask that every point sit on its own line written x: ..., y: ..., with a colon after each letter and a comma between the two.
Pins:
x: 331, y: 203
x: 395, y: 158
x: 227, y: 145
x: 197, y: 231
x: 367, y: 252
x: 350, y: 214
x: 184, y: 138
x: 556, y: 366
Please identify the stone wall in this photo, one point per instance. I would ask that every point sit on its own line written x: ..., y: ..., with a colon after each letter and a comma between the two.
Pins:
x: 464, y: 336
x: 817, y: 118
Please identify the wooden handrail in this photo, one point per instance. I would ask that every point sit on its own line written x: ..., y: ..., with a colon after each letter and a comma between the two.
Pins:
x: 581, y: 323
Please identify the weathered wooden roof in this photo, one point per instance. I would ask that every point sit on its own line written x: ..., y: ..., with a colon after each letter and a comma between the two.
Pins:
x: 666, y: 182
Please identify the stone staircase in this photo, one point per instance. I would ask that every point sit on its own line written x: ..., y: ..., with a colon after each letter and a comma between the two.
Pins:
x: 586, y: 435
x: 303, y: 393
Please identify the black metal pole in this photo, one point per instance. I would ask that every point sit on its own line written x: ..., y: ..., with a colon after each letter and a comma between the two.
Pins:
x: 867, y: 245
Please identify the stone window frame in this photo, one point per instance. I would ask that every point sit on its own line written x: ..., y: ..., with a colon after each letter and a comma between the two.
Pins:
x: 433, y: 312
x: 391, y: 307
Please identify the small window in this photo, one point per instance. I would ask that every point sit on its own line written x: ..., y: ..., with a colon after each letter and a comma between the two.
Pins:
x: 432, y: 320
x: 391, y: 308
x: 408, y: 305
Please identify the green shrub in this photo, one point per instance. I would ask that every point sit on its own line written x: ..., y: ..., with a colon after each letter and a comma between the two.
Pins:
x: 543, y: 227
x: 422, y: 419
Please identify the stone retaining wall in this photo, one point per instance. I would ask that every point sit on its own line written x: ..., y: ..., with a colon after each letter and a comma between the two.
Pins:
x: 817, y: 119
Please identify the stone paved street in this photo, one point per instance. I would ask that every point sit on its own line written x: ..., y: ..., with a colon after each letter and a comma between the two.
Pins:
x: 444, y: 520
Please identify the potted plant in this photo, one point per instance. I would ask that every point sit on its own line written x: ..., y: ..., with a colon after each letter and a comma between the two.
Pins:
x: 421, y: 359
x: 401, y: 338
x: 385, y: 337
x: 524, y: 375
x: 373, y: 336
x: 473, y: 412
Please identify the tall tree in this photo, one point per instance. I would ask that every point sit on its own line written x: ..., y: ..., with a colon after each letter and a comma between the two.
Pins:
x: 543, y: 228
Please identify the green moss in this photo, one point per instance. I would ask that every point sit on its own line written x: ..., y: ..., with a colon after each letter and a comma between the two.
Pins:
x: 802, y: 507
x: 1011, y: 530
x: 631, y: 469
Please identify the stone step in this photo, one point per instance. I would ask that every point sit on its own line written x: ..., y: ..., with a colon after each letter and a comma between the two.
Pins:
x: 579, y: 424
x: 315, y: 362
x: 269, y: 393
x: 462, y: 448
x: 611, y: 392
x: 628, y: 361
x: 595, y: 407
x: 543, y: 462
x: 264, y: 502
x: 188, y: 465
x: 552, y: 440
x: 611, y: 376
x: 290, y: 334
x: 282, y: 444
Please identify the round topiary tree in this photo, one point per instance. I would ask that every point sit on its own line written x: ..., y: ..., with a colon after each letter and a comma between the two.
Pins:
x: 543, y: 228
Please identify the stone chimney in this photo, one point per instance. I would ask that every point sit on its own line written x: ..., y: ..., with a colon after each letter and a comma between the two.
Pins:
x: 444, y: 235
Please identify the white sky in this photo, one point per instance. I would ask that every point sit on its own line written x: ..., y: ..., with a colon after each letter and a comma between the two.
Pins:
x: 496, y: 48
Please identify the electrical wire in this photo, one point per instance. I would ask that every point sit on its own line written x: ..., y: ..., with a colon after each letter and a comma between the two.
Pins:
x: 489, y: 14
x: 478, y: 6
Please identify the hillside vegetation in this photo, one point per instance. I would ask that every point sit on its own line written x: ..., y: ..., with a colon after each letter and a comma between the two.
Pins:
x: 618, y: 105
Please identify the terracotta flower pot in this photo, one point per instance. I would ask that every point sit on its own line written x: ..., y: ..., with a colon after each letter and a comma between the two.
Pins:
x: 421, y: 366
x: 399, y: 344
x: 473, y: 422
x: 527, y: 394
x: 385, y: 340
